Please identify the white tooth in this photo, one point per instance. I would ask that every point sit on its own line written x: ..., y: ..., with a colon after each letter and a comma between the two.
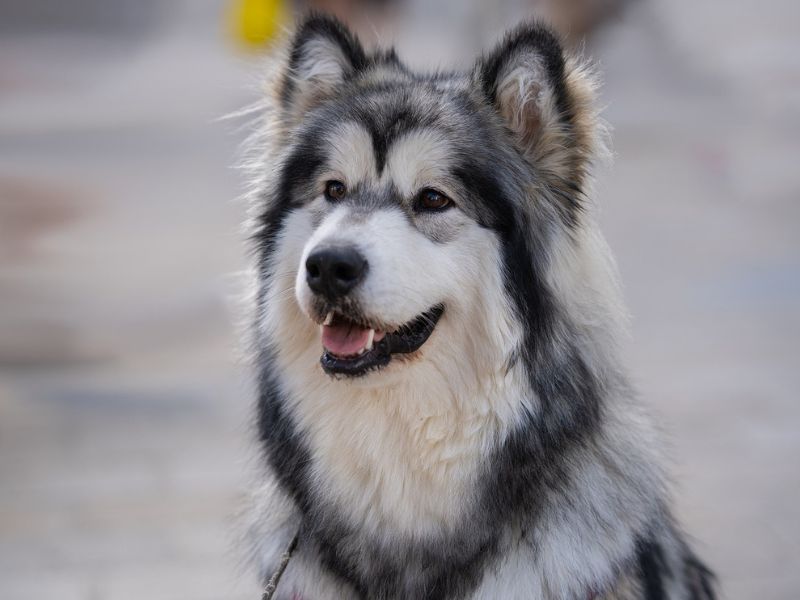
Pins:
x: 370, y: 338
x: 328, y: 319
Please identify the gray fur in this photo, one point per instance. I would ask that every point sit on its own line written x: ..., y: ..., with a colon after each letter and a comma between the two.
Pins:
x: 568, y: 499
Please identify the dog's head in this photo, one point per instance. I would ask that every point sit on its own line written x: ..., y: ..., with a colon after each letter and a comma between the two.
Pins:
x: 414, y: 216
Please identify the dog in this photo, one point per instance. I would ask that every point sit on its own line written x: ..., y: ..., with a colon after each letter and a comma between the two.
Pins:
x: 442, y: 407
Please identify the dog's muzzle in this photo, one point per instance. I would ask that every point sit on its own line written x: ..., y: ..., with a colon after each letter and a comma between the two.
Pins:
x: 353, y: 344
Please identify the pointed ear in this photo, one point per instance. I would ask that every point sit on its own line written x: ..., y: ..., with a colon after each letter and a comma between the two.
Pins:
x: 322, y: 56
x: 545, y: 100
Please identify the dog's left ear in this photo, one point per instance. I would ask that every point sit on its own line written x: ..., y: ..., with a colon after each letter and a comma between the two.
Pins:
x: 545, y: 100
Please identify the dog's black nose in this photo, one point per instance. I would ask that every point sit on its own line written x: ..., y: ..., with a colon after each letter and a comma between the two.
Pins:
x: 333, y: 272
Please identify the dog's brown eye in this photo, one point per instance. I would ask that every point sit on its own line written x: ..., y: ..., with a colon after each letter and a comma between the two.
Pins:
x: 335, y: 190
x: 430, y: 199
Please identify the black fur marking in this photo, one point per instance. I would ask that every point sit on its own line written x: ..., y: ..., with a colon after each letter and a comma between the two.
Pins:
x: 285, y: 451
x: 701, y: 580
x: 652, y: 569
x: 384, y: 134
x: 297, y: 170
x: 428, y: 570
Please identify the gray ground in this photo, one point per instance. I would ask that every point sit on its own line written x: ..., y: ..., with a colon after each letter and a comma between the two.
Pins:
x: 123, y: 413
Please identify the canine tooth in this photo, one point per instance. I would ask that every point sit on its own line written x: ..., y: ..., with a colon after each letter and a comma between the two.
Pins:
x: 370, y: 338
x: 328, y: 319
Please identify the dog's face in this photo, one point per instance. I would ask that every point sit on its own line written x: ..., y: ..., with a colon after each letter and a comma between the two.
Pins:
x: 404, y: 205
x: 397, y: 245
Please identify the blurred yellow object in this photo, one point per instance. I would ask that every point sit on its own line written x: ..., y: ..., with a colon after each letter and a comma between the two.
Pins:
x: 257, y: 23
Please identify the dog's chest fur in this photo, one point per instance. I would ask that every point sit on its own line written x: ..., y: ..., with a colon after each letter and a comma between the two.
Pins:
x: 405, y: 458
x: 391, y: 466
x: 398, y: 488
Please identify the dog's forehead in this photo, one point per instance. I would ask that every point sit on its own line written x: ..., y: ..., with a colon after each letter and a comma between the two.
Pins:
x: 406, y: 160
x: 402, y: 133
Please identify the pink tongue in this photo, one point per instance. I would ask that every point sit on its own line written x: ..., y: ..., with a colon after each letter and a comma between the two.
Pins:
x: 344, y: 339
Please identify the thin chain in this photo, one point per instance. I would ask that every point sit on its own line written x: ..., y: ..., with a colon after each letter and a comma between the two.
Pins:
x: 272, y: 584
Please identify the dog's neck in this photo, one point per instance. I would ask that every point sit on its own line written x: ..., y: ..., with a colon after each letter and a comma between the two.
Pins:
x: 401, y: 457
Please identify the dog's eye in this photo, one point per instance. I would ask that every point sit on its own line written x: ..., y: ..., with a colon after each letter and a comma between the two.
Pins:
x: 335, y: 190
x: 431, y: 200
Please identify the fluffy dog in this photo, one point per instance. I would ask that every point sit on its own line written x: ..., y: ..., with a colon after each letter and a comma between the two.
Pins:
x: 442, y: 407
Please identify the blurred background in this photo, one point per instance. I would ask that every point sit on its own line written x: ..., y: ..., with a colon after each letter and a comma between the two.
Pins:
x: 124, y: 439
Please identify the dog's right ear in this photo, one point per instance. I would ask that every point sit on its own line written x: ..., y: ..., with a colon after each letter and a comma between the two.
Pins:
x: 322, y: 56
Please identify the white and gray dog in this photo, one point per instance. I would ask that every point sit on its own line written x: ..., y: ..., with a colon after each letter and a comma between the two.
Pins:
x: 442, y: 407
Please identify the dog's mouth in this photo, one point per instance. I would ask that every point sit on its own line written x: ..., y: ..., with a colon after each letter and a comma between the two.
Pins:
x: 353, y: 349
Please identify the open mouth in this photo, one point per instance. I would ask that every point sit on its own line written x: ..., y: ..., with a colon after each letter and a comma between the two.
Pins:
x: 353, y: 349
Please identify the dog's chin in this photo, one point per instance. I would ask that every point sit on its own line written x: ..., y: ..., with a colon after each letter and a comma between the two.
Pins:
x: 352, y: 348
